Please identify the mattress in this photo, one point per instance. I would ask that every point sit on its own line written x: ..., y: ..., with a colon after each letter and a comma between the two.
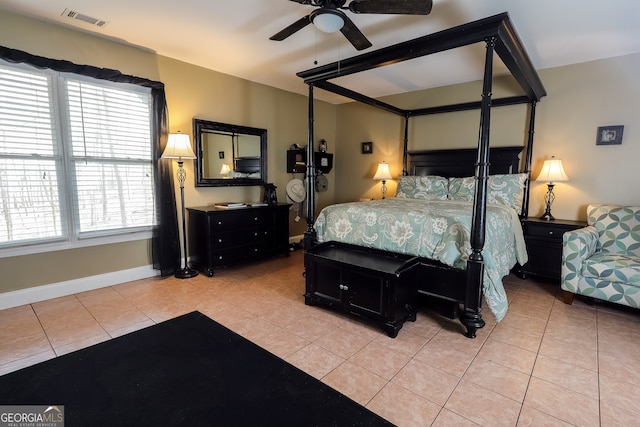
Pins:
x: 438, y: 230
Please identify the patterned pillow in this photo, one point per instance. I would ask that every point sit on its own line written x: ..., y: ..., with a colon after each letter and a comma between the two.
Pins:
x: 462, y: 189
x: 422, y: 187
x: 505, y: 190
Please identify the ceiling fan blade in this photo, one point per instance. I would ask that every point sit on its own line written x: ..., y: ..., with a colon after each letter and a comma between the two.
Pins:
x: 400, y: 7
x: 354, y: 35
x: 296, y: 26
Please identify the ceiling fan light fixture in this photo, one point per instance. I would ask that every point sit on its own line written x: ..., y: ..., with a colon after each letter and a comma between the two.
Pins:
x: 328, y: 20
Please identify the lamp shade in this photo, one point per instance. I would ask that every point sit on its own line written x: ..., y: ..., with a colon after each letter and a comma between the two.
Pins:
x: 225, y: 169
x: 382, y: 174
x: 178, y: 147
x: 552, y: 171
x: 328, y: 21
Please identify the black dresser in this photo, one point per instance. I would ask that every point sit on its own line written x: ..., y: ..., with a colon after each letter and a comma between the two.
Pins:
x: 221, y: 237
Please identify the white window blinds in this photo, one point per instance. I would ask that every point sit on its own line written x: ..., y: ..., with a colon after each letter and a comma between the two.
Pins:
x: 75, y: 157
x: 111, y: 156
x: 30, y: 206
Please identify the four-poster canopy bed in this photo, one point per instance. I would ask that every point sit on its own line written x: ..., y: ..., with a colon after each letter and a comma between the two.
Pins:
x: 464, y: 285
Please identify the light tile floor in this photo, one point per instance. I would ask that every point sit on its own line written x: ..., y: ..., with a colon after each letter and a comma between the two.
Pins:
x: 545, y: 364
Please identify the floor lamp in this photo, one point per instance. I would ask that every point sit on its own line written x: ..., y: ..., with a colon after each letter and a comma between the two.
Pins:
x: 552, y: 172
x: 179, y: 147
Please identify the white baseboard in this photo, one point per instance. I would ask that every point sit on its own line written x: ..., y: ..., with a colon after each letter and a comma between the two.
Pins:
x: 296, y: 239
x: 60, y: 289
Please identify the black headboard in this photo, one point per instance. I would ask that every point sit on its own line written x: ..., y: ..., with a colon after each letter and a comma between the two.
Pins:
x: 461, y: 163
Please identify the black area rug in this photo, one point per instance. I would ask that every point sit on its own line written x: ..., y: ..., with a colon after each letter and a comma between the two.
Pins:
x: 186, y: 371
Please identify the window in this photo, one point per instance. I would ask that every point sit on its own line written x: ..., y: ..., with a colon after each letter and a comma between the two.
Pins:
x: 75, y: 157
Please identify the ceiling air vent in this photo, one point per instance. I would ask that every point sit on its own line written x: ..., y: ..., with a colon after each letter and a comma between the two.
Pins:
x: 84, y: 18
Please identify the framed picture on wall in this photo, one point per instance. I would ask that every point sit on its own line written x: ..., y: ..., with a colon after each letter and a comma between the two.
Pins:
x: 609, y: 135
x: 367, y: 147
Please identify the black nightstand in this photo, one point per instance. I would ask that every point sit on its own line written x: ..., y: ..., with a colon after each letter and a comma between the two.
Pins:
x: 544, y: 246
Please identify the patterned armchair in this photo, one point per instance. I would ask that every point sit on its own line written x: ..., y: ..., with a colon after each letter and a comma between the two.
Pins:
x: 602, y: 260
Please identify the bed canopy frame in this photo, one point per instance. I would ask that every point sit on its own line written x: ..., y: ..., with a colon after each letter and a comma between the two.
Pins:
x: 500, y: 37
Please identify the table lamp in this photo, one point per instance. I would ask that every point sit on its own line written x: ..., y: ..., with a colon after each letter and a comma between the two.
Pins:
x: 552, y: 172
x: 383, y: 174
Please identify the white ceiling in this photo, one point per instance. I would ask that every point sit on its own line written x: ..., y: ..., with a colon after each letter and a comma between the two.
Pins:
x: 232, y: 36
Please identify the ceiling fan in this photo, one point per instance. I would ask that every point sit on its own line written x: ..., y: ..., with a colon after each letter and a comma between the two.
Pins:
x: 330, y: 18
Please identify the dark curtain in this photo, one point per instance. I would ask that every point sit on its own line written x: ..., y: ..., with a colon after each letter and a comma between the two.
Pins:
x: 165, y: 247
x: 165, y: 244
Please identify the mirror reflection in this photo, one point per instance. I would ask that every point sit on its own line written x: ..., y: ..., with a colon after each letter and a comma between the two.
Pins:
x: 229, y: 154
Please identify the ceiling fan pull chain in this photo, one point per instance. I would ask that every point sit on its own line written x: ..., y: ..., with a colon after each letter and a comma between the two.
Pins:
x: 315, y: 48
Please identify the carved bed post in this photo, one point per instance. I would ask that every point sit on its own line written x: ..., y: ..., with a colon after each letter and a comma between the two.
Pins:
x: 528, y: 157
x: 472, y: 315
x: 310, y: 234
x: 405, y: 145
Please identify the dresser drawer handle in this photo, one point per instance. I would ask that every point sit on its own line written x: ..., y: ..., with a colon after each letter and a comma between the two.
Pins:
x: 219, y: 240
x: 344, y: 287
x: 219, y: 222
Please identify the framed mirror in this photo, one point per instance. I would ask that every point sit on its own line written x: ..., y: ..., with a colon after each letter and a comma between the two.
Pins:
x: 229, y: 154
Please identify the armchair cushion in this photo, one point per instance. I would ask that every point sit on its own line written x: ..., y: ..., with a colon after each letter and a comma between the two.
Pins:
x: 613, y: 267
x: 618, y: 228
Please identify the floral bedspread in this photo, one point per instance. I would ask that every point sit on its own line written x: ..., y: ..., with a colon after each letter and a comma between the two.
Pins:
x: 438, y: 230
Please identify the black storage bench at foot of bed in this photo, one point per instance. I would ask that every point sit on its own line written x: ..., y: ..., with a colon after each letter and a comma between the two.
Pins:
x: 377, y: 285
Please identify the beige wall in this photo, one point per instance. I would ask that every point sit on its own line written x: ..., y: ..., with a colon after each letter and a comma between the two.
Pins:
x: 580, y: 98
x: 191, y: 92
x: 208, y: 95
